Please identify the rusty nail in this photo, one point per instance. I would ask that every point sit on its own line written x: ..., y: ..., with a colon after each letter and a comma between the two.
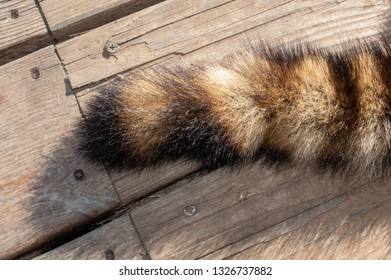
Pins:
x: 35, y: 73
x: 14, y: 13
x: 79, y: 174
x: 111, y: 47
x: 109, y: 254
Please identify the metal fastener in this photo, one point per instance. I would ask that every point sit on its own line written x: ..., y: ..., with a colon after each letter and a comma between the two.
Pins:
x: 35, y: 73
x: 190, y: 210
x: 109, y: 254
x: 143, y: 252
x: 14, y: 13
x: 111, y: 47
x: 79, y: 174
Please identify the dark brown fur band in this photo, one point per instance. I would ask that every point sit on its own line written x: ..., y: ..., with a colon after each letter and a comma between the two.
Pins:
x: 293, y: 104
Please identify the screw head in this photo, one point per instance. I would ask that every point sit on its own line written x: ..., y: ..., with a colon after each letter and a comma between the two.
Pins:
x: 35, y: 73
x: 109, y: 254
x: 111, y: 47
x: 79, y: 174
x: 14, y: 14
x: 190, y: 210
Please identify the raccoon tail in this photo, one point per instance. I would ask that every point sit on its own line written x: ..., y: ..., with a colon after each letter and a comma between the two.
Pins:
x: 293, y: 105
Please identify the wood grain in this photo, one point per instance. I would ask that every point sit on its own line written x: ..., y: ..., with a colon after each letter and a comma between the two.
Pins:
x: 232, y: 206
x: 252, y: 213
x: 70, y: 18
x: 21, y: 34
x: 354, y: 225
x: 114, y: 240
x: 160, y: 22
x: 176, y: 28
x: 39, y: 197
x: 132, y: 186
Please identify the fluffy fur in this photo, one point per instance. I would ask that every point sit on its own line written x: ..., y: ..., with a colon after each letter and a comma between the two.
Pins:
x: 294, y: 105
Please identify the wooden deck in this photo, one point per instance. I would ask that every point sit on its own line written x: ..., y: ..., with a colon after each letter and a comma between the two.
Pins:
x: 52, y: 62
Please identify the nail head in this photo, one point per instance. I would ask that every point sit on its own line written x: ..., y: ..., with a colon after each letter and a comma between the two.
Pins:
x: 79, y: 174
x: 35, y: 73
x: 14, y: 14
x: 109, y: 254
x: 189, y: 210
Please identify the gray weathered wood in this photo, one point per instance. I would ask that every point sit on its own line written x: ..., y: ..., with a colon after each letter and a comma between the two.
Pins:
x: 175, y: 28
x: 22, y: 29
x: 273, y: 20
x: 249, y: 214
x: 231, y: 206
x: 132, y: 186
x: 72, y: 17
x: 39, y: 197
x: 354, y: 225
x: 257, y: 215
x: 114, y: 240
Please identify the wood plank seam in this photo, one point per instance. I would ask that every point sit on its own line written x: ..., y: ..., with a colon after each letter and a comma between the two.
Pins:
x: 145, y: 249
x: 22, y: 28
x: 37, y: 2
x: 67, y: 22
x: 114, y: 240
x: 112, y: 178
x: 38, y: 185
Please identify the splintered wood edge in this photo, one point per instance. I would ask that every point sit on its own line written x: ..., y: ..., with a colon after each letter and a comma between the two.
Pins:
x: 114, y: 240
x: 67, y: 19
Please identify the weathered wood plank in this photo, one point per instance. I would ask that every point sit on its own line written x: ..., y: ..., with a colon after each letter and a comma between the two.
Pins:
x: 39, y: 197
x: 22, y: 29
x: 354, y: 225
x: 114, y: 240
x: 133, y: 186
x: 167, y: 18
x: 69, y: 18
x: 224, y: 207
x: 177, y: 28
